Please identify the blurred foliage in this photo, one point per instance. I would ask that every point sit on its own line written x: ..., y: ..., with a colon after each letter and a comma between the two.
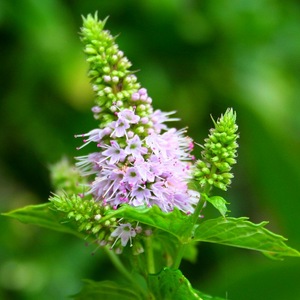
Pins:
x: 196, y: 57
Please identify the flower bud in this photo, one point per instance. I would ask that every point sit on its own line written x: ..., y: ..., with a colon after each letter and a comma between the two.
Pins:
x: 137, y: 248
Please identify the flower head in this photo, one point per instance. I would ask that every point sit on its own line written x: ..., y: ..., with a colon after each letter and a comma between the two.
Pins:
x: 139, y: 160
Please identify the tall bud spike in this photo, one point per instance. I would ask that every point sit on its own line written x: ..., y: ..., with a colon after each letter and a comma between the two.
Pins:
x: 113, y: 82
x: 219, y: 153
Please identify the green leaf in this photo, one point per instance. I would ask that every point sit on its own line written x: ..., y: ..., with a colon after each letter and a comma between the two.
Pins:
x: 218, y: 202
x: 239, y: 232
x: 171, y: 285
x: 109, y: 290
x: 42, y: 215
x: 208, y: 297
x: 175, y: 223
x: 167, y: 285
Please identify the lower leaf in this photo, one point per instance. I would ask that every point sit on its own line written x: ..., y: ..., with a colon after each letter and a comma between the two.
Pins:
x: 109, y: 290
x: 172, y: 285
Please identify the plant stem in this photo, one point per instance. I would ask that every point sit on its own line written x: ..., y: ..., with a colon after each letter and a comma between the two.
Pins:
x: 118, y: 264
x: 121, y: 268
x: 194, y: 219
x: 179, y: 255
x: 150, y: 256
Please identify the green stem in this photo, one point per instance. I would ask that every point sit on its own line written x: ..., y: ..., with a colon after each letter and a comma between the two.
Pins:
x: 118, y: 264
x: 150, y: 256
x: 179, y: 255
x: 182, y: 246
x: 196, y: 214
x: 121, y: 268
x: 194, y: 220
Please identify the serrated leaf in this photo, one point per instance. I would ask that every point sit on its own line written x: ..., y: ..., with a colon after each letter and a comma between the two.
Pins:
x: 239, y: 232
x: 42, y: 215
x: 109, y: 290
x: 218, y: 202
x: 171, y: 285
x: 175, y: 222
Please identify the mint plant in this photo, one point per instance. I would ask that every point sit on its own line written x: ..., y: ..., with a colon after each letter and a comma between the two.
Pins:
x: 139, y: 194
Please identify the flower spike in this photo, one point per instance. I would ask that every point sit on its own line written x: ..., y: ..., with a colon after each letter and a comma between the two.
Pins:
x: 138, y: 160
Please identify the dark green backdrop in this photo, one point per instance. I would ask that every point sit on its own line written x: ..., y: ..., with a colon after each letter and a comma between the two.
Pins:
x: 196, y: 57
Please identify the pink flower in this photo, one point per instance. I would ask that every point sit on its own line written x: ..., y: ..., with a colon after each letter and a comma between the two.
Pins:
x: 159, y: 118
x: 135, y: 148
x: 140, y: 169
x: 132, y: 176
x: 128, y: 116
x: 94, y: 135
x: 125, y: 232
x: 119, y: 128
x: 115, y: 153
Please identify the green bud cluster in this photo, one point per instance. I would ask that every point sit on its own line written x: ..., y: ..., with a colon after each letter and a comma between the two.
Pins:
x: 66, y: 178
x: 92, y: 219
x: 87, y: 214
x: 219, y: 153
x: 109, y: 72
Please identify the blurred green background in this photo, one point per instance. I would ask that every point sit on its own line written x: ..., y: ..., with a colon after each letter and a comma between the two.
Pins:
x: 196, y: 57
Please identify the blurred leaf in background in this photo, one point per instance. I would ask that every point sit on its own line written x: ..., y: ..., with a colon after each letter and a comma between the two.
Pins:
x: 196, y: 57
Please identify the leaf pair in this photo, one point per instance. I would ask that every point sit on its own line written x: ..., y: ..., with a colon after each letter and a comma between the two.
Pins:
x: 236, y: 232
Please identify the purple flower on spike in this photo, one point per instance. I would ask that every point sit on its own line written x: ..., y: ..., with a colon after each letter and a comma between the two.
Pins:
x: 141, y: 169
x: 115, y: 153
x: 88, y: 164
x: 119, y: 128
x: 128, y: 116
x: 94, y: 135
x: 159, y: 118
x: 135, y: 148
x: 132, y: 176
x: 141, y: 195
x: 125, y: 232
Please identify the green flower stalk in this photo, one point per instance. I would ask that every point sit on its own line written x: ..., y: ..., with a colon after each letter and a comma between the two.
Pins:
x: 219, y: 154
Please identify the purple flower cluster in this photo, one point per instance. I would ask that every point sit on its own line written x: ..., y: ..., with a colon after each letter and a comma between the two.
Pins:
x: 148, y: 171
x: 140, y: 161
